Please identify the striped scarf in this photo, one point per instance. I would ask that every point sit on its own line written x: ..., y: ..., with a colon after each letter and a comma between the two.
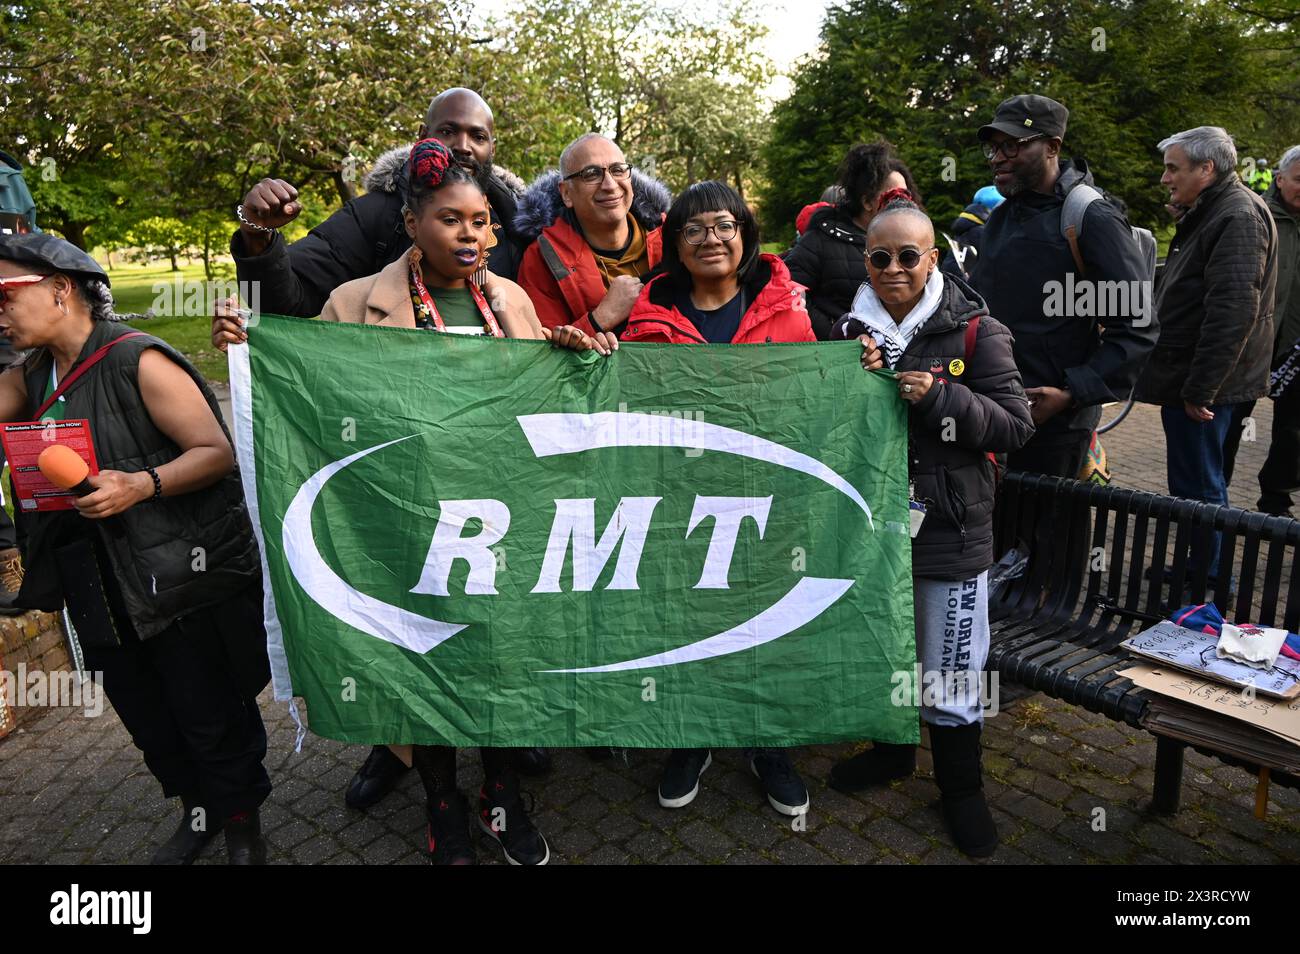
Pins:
x: 893, y: 338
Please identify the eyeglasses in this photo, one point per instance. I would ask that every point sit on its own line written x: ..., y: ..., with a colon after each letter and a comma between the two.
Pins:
x: 17, y: 282
x: 590, y: 174
x: 698, y: 234
x: 1008, y: 147
x: 909, y: 258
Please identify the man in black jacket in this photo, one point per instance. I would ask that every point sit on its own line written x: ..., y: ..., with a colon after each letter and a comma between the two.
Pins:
x: 359, y: 239
x: 1216, y: 316
x: 1074, y: 352
x: 368, y: 233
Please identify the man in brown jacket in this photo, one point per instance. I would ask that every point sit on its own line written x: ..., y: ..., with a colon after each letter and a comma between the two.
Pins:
x: 1215, y: 303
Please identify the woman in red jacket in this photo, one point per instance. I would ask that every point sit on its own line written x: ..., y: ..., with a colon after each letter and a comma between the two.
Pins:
x: 714, y: 285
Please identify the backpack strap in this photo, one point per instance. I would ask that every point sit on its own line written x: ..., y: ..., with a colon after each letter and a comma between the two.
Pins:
x: 559, y: 271
x: 1077, y: 201
x: 972, y: 330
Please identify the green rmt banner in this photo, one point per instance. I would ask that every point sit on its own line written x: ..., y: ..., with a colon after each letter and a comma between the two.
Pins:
x: 476, y: 541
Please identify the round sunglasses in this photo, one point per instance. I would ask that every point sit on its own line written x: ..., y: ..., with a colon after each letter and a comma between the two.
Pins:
x: 909, y: 258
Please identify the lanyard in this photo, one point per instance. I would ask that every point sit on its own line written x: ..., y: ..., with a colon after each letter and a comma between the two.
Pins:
x: 489, y: 319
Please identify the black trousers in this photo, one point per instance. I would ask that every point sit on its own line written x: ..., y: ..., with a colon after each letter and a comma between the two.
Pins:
x: 1279, y: 478
x: 1059, y: 453
x: 179, y: 695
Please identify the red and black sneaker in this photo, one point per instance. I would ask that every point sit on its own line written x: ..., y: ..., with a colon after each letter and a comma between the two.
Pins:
x: 448, y: 831
x: 501, y: 815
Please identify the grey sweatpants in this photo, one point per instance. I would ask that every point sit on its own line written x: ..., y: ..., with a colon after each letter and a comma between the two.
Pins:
x: 952, y: 647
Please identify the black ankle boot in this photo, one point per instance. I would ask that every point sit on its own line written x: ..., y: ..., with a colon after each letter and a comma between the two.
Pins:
x: 195, y: 830
x: 244, y: 842
x: 533, y: 761
x: 882, y: 763
x: 958, y: 772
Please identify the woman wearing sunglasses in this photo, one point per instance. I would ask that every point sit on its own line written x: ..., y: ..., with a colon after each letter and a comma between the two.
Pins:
x: 965, y: 402
x: 157, y: 565
x: 715, y: 287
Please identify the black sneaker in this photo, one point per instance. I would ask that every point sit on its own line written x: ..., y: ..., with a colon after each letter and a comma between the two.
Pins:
x: 785, y: 789
x: 681, y: 779
x: 501, y: 815
x: 448, y: 830
x: 375, y: 779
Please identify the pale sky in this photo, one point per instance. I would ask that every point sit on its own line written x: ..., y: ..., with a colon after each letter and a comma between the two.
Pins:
x: 794, y: 27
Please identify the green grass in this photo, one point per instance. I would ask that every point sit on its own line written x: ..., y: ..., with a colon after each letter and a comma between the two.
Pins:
x: 133, y: 291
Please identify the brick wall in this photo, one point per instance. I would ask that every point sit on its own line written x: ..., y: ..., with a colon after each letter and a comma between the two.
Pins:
x: 37, y: 641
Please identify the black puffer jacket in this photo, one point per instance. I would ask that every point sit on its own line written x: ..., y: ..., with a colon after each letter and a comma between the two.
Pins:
x: 360, y: 239
x: 1215, y: 302
x: 829, y: 260
x: 981, y: 409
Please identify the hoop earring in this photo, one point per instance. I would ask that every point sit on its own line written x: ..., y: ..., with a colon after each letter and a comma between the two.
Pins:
x: 62, y: 307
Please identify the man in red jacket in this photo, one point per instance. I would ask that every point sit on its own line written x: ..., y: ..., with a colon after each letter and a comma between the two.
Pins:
x: 594, y: 228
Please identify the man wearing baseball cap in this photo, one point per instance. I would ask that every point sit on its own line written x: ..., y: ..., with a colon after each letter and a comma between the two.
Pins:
x: 1070, y: 367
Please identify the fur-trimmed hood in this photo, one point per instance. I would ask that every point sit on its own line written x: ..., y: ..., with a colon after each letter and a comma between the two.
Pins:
x: 541, y: 204
x: 385, y: 174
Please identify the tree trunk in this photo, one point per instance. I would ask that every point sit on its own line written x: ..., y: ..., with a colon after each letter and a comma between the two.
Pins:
x: 75, y: 232
x: 345, y: 189
x: 171, y: 254
x: 207, y: 254
x: 740, y: 185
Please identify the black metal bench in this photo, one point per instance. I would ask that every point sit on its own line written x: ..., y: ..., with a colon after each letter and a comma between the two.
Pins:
x: 1106, y: 563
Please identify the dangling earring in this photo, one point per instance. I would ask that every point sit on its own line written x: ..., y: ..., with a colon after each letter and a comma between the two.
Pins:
x: 62, y: 307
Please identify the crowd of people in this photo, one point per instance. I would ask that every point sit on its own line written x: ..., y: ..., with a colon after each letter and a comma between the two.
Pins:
x: 597, y: 252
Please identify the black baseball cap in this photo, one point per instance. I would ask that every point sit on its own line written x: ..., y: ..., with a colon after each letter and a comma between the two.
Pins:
x: 50, y: 251
x: 1027, y: 115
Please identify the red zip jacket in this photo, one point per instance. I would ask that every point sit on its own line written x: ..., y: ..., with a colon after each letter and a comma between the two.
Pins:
x: 560, y: 274
x: 776, y: 314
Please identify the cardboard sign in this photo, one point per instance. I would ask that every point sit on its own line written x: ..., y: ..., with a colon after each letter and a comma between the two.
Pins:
x: 1170, y: 645
x: 23, y: 443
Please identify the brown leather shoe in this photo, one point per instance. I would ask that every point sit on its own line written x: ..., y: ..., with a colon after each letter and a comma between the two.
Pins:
x: 11, y: 578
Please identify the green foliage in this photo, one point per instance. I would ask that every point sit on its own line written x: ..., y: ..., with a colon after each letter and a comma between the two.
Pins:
x: 925, y: 76
x: 672, y: 85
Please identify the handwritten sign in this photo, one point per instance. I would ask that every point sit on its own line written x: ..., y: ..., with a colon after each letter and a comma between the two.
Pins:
x: 1281, y: 717
x: 1169, y: 644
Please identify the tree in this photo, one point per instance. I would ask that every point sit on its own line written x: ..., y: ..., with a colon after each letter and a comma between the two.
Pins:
x: 674, y: 86
x: 193, y: 101
x: 926, y: 76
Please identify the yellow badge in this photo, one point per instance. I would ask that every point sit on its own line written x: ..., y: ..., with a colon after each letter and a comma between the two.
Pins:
x: 956, y: 367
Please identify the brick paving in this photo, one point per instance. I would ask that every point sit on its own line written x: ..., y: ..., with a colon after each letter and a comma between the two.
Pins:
x: 74, y: 790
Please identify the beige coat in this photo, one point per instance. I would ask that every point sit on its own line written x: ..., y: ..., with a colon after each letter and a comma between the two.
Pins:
x: 385, y: 299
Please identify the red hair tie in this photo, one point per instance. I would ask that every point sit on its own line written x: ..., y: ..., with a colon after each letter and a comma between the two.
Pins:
x: 891, y: 195
x: 429, y: 161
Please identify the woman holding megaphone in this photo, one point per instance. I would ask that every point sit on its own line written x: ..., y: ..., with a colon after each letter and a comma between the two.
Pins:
x: 156, y: 563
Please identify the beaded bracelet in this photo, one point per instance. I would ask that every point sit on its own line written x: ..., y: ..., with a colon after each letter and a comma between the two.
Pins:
x: 157, y: 483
